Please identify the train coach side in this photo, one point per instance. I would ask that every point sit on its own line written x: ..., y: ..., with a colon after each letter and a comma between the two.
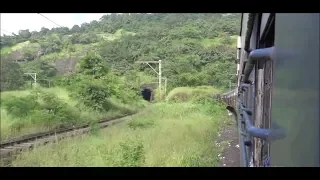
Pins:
x: 277, y: 97
x: 230, y: 98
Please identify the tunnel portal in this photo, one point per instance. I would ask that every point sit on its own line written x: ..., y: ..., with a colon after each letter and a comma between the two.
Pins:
x: 147, y: 93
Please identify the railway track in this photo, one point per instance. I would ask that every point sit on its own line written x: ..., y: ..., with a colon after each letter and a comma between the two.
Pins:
x: 12, y: 147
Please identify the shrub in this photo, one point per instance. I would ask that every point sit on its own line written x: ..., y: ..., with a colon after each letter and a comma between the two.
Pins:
x: 179, y: 97
x: 21, y: 106
x: 141, y: 123
x: 40, y: 108
x: 132, y: 153
x: 62, y: 111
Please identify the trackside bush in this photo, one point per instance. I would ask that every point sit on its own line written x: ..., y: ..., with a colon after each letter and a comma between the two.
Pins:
x: 40, y: 108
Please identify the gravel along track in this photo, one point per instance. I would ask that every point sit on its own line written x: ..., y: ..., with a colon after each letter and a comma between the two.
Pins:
x: 9, y: 149
x: 230, y: 156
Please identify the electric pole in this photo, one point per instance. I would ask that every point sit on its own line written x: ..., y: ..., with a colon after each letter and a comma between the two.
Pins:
x: 158, y: 73
x: 34, y: 77
x: 160, y: 80
x: 165, y: 85
x: 230, y: 83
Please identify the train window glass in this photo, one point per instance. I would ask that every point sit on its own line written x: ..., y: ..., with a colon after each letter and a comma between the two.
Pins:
x: 268, y: 39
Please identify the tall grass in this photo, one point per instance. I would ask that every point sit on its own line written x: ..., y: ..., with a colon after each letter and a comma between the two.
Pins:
x: 182, y: 94
x: 18, y: 119
x: 164, y: 134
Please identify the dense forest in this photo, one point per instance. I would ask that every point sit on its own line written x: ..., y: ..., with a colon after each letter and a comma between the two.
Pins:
x: 196, y: 49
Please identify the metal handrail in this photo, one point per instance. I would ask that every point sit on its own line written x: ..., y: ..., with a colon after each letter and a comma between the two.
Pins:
x: 247, y: 130
x: 264, y: 134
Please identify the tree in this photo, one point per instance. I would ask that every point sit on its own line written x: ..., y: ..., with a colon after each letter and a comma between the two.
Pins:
x: 44, y: 31
x: 25, y: 33
x: 92, y: 64
x: 75, y: 29
x: 11, y: 75
x: 43, y: 69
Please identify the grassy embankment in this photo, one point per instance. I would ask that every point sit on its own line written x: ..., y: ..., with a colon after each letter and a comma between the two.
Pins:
x: 180, y: 132
x: 21, y: 114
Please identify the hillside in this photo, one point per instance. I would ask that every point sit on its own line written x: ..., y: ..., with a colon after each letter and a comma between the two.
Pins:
x: 88, y: 73
x: 196, y: 49
x: 91, y: 68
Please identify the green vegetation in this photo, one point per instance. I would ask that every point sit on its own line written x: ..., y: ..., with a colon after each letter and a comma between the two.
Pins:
x: 196, y: 49
x: 25, y: 112
x: 164, y: 134
x: 89, y: 72
x: 182, y: 94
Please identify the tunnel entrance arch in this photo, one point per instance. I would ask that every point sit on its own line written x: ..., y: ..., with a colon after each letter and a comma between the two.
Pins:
x: 147, y: 92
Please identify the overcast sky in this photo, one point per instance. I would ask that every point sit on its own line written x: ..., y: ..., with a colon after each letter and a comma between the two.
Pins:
x: 13, y: 22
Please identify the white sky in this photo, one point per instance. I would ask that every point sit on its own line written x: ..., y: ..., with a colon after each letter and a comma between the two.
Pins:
x: 13, y: 22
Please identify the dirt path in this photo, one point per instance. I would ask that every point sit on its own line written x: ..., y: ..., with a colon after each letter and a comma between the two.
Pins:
x: 231, y: 154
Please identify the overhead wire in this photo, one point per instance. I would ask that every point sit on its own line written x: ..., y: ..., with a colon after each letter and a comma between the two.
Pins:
x: 49, y: 19
x: 40, y: 15
x: 55, y: 24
